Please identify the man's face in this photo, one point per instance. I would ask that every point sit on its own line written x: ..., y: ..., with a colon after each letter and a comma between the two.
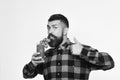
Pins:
x: 55, y: 32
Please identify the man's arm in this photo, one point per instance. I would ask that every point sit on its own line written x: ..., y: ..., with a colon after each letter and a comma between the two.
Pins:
x: 30, y: 71
x: 100, y: 60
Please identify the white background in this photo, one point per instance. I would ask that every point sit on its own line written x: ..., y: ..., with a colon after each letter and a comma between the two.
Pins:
x: 23, y: 25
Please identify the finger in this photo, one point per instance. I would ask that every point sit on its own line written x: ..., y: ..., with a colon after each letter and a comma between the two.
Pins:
x: 44, y: 43
x: 47, y: 40
x: 36, y: 58
x: 46, y: 46
x: 37, y: 62
x: 40, y: 47
x: 75, y: 40
x: 36, y: 54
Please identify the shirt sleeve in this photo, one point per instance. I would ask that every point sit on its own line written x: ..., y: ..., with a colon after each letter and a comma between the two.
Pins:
x: 30, y: 71
x: 98, y: 60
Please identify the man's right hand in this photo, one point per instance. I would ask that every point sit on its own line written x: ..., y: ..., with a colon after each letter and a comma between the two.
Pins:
x: 37, y: 59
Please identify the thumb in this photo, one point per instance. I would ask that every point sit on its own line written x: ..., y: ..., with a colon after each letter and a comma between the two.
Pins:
x: 75, y: 40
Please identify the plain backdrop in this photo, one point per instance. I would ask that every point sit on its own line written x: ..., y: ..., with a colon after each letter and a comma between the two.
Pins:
x: 23, y: 25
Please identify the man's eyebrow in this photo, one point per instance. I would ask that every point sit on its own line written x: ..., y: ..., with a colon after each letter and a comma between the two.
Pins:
x: 54, y: 25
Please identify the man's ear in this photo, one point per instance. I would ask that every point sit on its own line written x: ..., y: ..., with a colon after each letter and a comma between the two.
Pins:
x: 65, y: 30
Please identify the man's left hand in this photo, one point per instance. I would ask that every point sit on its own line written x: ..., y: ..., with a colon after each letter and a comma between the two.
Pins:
x: 76, y: 47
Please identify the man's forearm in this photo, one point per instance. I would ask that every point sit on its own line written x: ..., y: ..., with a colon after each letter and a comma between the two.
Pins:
x: 101, y: 59
x: 29, y: 71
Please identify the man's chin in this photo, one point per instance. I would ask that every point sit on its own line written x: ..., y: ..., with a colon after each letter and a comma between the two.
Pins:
x: 53, y: 45
x: 55, y: 42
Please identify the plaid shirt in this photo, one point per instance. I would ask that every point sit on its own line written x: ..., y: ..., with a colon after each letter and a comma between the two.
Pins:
x: 61, y: 64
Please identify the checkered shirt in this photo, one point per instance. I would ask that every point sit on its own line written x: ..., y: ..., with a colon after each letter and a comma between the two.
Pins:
x: 61, y: 64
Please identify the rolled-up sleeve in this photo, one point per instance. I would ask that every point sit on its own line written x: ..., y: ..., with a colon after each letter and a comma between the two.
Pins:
x: 98, y: 60
x: 30, y: 71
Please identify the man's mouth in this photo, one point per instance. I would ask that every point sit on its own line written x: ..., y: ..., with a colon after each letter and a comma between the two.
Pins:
x: 51, y: 37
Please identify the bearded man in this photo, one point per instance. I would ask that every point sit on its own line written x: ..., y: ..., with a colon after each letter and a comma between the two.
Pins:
x: 65, y: 60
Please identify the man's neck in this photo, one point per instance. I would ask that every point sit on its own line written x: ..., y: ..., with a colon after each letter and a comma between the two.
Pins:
x: 64, y: 40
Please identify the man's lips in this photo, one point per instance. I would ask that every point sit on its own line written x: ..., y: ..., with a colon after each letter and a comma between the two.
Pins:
x: 51, y: 38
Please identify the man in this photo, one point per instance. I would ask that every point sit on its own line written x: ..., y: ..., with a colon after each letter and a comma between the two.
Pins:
x: 65, y: 60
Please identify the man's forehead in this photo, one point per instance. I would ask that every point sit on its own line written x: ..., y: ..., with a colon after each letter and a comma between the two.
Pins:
x: 54, y: 22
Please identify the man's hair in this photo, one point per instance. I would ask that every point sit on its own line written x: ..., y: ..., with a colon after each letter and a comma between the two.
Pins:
x: 59, y: 17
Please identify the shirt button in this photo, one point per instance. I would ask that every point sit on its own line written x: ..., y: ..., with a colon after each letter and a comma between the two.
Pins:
x: 59, y: 54
x: 58, y: 74
x: 58, y: 63
x: 73, y: 66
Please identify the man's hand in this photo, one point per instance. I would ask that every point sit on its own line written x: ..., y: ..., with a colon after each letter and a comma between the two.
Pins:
x: 76, y: 47
x: 37, y: 59
x: 42, y: 45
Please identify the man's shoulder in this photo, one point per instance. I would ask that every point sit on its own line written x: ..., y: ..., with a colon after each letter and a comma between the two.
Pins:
x: 85, y: 46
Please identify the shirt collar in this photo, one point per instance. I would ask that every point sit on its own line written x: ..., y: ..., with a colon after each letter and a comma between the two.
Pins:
x: 65, y: 44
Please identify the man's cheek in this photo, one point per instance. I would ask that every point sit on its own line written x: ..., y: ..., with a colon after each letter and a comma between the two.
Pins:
x: 57, y: 34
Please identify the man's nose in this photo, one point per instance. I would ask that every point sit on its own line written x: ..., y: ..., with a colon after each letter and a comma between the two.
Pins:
x: 50, y: 31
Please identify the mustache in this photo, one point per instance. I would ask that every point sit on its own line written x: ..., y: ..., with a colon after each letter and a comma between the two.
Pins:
x: 51, y: 35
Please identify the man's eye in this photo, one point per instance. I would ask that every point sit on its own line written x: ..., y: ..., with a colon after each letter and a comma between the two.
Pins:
x: 48, y: 27
x: 55, y: 27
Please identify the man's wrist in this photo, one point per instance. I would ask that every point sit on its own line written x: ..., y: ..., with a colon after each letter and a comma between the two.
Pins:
x: 32, y: 65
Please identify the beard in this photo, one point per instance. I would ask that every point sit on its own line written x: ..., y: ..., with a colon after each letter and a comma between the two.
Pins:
x: 55, y: 41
